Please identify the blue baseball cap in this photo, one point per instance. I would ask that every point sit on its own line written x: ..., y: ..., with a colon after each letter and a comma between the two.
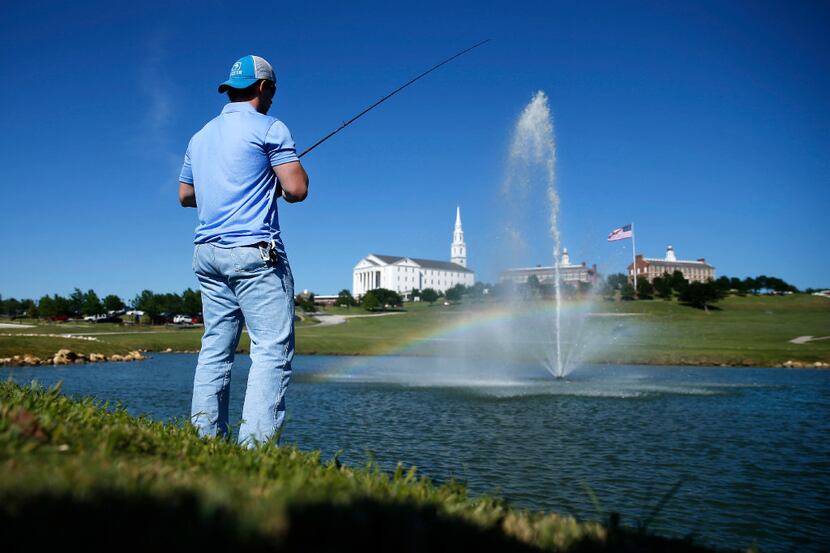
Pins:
x: 246, y: 71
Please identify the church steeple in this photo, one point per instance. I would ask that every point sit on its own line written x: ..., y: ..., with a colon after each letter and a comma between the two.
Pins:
x: 458, y: 250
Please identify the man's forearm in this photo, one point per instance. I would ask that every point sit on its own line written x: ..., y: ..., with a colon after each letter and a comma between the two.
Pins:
x: 291, y: 198
x: 287, y: 196
x: 187, y: 195
x: 292, y: 181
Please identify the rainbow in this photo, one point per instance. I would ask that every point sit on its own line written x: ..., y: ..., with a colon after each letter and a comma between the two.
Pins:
x: 457, y: 329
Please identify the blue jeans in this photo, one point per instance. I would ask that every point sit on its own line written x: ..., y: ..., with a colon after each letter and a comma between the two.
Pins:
x: 240, y: 287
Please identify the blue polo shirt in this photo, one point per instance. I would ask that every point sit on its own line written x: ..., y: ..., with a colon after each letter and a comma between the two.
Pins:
x: 229, y: 164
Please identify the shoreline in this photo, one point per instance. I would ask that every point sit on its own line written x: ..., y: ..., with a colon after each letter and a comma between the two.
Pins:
x: 59, y: 476
x: 65, y: 357
x: 784, y: 332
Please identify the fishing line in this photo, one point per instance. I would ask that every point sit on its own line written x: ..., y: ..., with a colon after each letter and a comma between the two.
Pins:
x: 370, y: 108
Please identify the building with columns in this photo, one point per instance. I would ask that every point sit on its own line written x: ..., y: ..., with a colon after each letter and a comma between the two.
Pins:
x: 568, y: 272
x: 403, y: 274
x: 651, y: 268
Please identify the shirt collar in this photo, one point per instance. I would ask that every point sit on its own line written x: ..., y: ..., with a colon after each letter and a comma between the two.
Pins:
x: 233, y: 107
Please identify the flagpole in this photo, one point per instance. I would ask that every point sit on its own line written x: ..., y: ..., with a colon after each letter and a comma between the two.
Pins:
x: 634, y: 255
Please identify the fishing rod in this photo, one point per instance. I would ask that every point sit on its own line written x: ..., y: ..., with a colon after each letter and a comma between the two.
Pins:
x: 373, y: 106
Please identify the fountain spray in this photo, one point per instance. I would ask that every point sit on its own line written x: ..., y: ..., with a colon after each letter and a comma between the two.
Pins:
x: 534, y: 145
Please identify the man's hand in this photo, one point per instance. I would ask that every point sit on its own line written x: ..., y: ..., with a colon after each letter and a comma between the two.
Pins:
x: 292, y: 181
x: 187, y: 195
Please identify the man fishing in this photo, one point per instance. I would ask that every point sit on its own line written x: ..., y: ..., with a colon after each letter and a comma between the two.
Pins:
x: 235, y: 169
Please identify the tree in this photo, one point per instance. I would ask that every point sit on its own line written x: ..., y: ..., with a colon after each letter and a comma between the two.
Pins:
x: 501, y: 289
x: 762, y: 283
x: 76, y: 301
x: 113, y: 303
x: 548, y: 289
x: 429, y: 295
x: 737, y: 284
x: 617, y: 281
x: 456, y: 292
x: 567, y: 289
x: 662, y: 287
x: 724, y: 285
x: 387, y: 297
x: 678, y: 282
x: 700, y: 294
x: 170, y: 303
x: 306, y: 302
x: 146, y: 301
x: 645, y: 290
x: 29, y: 308
x: 10, y: 307
x: 191, y: 302
x: 627, y: 291
x: 774, y: 284
x: 370, y: 301
x: 477, y: 290
x: 605, y: 290
x: 534, y: 287
x: 91, y: 304
x: 62, y: 305
x: 751, y: 285
x: 345, y: 298
x: 47, y: 307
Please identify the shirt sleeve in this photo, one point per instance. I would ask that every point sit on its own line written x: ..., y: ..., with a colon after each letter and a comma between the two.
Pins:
x: 186, y: 174
x: 279, y: 145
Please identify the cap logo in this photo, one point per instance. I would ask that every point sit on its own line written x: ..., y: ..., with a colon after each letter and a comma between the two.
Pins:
x: 236, y: 69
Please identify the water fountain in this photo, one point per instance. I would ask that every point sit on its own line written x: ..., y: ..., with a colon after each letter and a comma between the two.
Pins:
x: 533, y: 157
x: 512, y: 340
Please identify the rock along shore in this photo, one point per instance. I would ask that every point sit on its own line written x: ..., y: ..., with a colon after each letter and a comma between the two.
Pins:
x: 68, y: 357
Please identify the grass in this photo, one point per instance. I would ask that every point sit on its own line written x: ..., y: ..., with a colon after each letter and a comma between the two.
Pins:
x: 752, y: 330
x: 743, y: 331
x: 76, y: 472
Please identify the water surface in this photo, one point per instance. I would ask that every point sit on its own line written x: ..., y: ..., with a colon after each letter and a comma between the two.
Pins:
x: 749, y: 448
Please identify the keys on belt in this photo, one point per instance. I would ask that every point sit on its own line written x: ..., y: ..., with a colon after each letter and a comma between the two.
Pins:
x: 267, y: 250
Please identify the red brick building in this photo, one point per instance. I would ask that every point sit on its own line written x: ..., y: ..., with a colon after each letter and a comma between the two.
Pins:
x: 651, y: 268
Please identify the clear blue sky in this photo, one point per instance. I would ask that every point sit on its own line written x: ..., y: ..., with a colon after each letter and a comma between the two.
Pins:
x: 705, y: 123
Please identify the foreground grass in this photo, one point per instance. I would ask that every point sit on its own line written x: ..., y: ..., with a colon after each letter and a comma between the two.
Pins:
x: 753, y: 331
x: 77, y: 472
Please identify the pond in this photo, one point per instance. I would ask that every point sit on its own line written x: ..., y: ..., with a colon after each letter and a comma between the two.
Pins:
x: 746, y: 450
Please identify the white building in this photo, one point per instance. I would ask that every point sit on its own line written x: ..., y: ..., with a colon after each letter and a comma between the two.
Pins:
x: 403, y: 274
x: 568, y: 272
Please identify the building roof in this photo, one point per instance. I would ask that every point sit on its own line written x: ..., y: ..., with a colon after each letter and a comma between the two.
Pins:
x: 441, y: 265
x: 549, y: 268
x: 389, y: 259
x: 424, y: 263
x: 655, y: 261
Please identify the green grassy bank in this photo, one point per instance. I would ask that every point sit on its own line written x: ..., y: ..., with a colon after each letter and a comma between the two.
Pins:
x: 749, y: 331
x: 82, y: 473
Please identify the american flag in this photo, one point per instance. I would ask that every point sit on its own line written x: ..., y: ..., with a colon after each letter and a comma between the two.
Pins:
x: 620, y: 233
